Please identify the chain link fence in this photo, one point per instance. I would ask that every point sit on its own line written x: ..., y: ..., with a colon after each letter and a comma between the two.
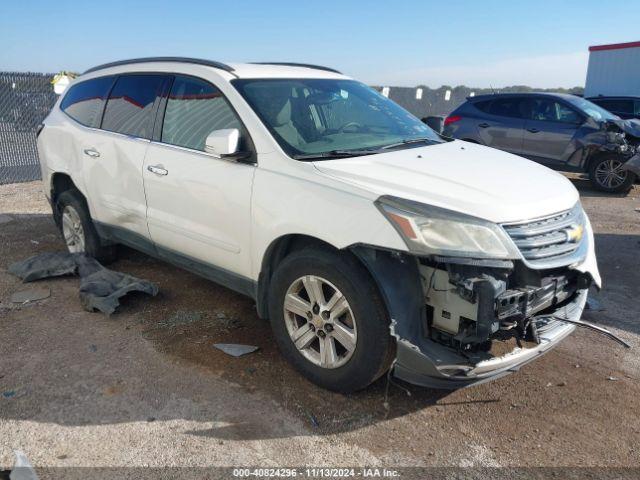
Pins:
x: 25, y: 100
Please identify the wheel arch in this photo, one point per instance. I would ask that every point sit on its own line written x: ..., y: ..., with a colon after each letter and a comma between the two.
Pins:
x: 60, y: 183
x: 395, y: 275
x: 283, y: 246
x: 277, y: 250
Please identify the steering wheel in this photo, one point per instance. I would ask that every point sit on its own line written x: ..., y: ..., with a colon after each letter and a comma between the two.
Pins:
x: 350, y: 124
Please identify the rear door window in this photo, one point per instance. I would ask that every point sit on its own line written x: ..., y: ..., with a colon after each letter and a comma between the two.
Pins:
x: 132, y: 103
x: 84, y: 102
x: 507, y: 107
x: 195, y: 108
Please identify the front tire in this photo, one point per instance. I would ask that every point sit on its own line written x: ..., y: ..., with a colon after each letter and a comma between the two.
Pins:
x: 606, y: 175
x: 328, y: 319
x: 78, y: 231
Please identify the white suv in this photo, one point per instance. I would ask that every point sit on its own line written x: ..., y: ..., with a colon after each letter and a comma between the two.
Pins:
x: 369, y: 241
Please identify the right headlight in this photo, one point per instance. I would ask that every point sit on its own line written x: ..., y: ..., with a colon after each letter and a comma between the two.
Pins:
x: 430, y: 230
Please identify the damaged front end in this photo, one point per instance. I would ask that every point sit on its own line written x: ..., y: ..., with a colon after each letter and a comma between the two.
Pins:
x: 487, y: 322
x: 459, y: 321
x: 619, y: 137
x: 624, y: 135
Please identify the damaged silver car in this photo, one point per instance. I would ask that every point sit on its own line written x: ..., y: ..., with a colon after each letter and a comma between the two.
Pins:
x: 564, y: 132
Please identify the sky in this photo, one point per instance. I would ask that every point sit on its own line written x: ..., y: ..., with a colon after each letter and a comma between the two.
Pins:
x: 401, y: 43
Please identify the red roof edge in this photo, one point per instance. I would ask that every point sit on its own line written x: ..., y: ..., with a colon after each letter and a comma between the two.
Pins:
x: 614, y: 46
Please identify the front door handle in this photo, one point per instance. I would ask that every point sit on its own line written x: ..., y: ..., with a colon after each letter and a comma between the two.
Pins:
x: 533, y: 130
x: 484, y: 125
x: 91, y: 152
x: 158, y: 170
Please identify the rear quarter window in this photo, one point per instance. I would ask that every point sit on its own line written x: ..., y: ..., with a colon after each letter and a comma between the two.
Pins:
x: 84, y: 102
x: 483, y: 106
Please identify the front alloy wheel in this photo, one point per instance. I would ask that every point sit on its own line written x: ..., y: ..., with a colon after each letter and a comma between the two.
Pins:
x: 320, y: 321
x: 329, y: 320
x: 607, y: 175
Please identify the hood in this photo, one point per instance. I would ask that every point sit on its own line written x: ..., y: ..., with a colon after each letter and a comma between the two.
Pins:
x: 630, y: 127
x: 461, y: 176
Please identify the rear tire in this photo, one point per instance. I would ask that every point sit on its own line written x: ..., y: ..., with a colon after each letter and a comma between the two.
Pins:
x: 354, y: 329
x: 78, y: 231
x: 605, y: 175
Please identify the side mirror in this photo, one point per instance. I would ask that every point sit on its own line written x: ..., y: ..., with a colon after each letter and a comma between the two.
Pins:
x: 223, y: 143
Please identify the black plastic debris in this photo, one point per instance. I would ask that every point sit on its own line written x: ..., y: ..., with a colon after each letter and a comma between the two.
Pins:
x: 44, y: 266
x: 100, y: 288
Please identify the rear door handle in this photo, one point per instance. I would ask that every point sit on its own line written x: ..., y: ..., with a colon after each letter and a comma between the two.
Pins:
x: 158, y: 170
x: 533, y: 130
x: 91, y: 152
x: 484, y: 125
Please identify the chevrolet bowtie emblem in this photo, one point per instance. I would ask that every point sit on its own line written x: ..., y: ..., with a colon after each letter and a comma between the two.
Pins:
x: 574, y: 233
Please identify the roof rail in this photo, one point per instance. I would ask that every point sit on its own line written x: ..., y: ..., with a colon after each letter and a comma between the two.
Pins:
x: 304, y: 65
x: 197, y: 61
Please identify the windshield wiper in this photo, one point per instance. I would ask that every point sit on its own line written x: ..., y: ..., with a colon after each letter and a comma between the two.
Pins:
x: 409, y: 142
x: 335, y: 154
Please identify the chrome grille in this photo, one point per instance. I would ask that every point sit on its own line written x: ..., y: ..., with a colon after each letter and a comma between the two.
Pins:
x: 550, y: 240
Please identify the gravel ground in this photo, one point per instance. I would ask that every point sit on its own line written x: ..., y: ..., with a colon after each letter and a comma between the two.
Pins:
x: 145, y: 387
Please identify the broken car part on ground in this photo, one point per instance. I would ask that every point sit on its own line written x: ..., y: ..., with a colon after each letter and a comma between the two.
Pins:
x: 100, y: 288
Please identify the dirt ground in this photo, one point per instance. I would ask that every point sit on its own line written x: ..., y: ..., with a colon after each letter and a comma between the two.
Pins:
x: 145, y: 387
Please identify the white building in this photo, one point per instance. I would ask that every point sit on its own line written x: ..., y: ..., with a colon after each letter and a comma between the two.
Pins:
x: 614, y: 70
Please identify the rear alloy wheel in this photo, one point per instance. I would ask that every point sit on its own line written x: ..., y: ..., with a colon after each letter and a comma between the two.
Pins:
x: 607, y: 175
x: 78, y: 231
x: 72, y: 230
x: 320, y: 322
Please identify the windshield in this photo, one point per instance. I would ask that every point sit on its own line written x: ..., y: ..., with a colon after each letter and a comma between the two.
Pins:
x: 313, y: 118
x: 594, y: 111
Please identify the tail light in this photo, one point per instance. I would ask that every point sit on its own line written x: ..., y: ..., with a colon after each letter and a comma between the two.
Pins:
x: 452, y: 119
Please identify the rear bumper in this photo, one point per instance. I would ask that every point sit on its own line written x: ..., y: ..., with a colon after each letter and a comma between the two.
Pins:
x: 440, y: 367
